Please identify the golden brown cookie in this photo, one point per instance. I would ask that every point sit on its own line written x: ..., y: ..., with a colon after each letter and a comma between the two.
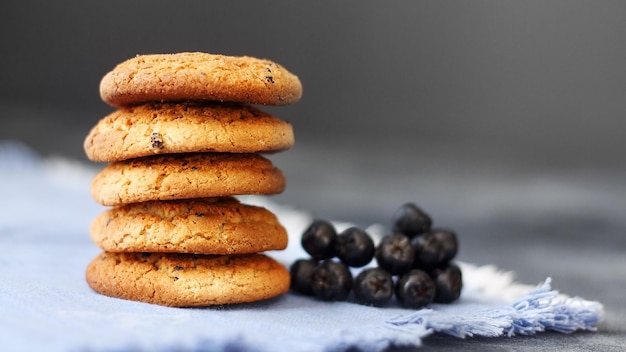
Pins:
x: 187, y: 280
x: 151, y: 129
x: 199, y: 76
x: 200, y: 226
x: 185, y: 176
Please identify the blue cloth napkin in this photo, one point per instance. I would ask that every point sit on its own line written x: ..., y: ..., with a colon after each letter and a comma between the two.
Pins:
x: 45, y: 303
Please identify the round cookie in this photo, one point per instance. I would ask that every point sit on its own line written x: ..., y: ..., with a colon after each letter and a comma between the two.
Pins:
x: 151, y: 129
x: 187, y: 280
x: 185, y: 176
x: 199, y: 76
x: 200, y: 226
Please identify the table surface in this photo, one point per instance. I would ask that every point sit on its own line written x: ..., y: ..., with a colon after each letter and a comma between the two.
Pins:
x: 563, y: 224
x: 566, y: 224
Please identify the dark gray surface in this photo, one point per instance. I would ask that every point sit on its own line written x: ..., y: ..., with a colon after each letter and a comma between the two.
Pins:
x: 565, y: 224
x: 505, y: 120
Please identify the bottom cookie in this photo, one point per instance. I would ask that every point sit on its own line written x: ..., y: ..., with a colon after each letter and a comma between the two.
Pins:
x: 187, y: 280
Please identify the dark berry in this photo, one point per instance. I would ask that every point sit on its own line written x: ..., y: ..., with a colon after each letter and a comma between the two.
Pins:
x: 301, y: 274
x: 395, y: 254
x: 354, y: 247
x: 331, y: 281
x: 373, y: 287
x: 410, y: 220
x: 415, y: 289
x: 319, y: 240
x: 449, y: 282
x: 434, y: 248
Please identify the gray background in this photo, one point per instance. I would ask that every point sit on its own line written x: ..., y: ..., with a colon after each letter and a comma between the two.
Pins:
x: 533, y: 85
x: 505, y: 120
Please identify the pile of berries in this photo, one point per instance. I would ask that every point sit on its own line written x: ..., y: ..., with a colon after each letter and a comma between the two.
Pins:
x: 414, y: 263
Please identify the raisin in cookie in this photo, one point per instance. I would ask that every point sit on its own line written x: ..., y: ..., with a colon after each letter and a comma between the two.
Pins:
x: 199, y: 76
x: 187, y: 280
x: 152, y: 129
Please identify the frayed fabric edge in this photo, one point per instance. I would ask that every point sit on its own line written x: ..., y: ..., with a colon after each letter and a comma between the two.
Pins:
x: 546, y: 309
x: 539, y: 310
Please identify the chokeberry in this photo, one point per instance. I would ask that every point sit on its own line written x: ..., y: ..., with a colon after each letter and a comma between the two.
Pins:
x: 354, y: 247
x: 410, y: 220
x: 319, y: 240
x: 301, y: 275
x: 373, y: 286
x: 449, y: 283
x: 395, y: 254
x: 415, y: 289
x: 331, y: 281
x: 434, y: 248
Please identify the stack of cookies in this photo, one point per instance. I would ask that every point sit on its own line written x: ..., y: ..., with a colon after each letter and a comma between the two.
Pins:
x: 185, y: 141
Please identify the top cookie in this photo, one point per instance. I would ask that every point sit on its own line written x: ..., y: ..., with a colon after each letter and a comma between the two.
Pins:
x: 199, y: 76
